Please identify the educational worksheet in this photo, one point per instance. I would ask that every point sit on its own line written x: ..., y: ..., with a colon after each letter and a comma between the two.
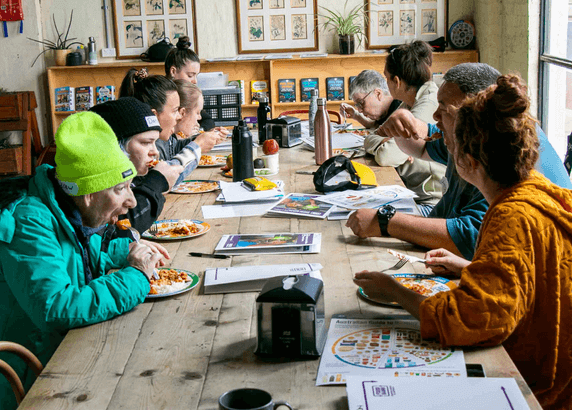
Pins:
x: 384, y: 348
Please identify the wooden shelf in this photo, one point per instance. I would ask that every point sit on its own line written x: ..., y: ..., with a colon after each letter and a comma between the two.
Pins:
x: 333, y: 65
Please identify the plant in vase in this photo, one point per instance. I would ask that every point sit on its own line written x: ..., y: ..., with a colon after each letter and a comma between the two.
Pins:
x: 61, y: 45
x: 349, y: 26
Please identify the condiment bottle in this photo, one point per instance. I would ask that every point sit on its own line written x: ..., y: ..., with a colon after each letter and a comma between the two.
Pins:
x: 312, y: 110
x: 92, y: 52
x: 323, y: 133
x: 262, y: 116
x: 243, y: 166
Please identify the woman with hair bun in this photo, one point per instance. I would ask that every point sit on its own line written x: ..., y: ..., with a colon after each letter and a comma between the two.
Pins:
x: 408, y: 74
x: 517, y: 290
x: 182, y: 63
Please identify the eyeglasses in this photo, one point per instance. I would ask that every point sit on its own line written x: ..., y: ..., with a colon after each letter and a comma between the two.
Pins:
x: 360, y: 103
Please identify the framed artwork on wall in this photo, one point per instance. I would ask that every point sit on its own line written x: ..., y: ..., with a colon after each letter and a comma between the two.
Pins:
x: 266, y: 26
x: 138, y: 24
x: 393, y: 22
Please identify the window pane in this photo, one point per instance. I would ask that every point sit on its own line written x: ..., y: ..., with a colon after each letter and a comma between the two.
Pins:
x: 559, y: 107
x: 559, y: 29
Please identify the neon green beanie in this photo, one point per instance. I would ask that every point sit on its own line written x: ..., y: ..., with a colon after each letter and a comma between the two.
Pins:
x: 88, y: 157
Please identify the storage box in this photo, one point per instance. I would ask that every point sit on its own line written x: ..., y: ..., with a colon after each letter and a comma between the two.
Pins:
x: 223, y: 105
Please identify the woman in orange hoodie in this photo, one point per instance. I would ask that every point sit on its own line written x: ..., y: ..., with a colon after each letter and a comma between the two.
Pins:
x: 517, y: 290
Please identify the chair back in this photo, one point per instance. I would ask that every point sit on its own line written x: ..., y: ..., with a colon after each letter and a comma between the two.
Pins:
x: 334, y: 115
x: 28, y: 357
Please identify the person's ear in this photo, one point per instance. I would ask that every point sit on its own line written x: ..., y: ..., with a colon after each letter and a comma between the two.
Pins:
x: 182, y: 111
x: 155, y: 112
x: 172, y: 71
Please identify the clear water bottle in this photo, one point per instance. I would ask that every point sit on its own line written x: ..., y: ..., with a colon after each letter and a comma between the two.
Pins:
x: 262, y: 116
x: 323, y: 133
x: 312, y: 111
x: 243, y: 166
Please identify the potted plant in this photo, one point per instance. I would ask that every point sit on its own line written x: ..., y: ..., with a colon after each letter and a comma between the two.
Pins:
x: 61, y: 45
x: 349, y: 26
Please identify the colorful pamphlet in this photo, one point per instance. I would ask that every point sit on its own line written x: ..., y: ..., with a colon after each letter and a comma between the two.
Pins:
x: 302, y: 205
x: 287, y: 90
x: 64, y: 99
x: 272, y: 243
x: 335, y: 87
x: 385, y: 348
x: 258, y: 88
x: 306, y: 87
x: 253, y: 278
x: 239, y: 84
x: 83, y: 98
x: 105, y: 93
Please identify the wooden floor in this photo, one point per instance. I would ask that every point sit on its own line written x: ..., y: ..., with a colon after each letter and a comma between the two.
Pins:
x: 183, y: 352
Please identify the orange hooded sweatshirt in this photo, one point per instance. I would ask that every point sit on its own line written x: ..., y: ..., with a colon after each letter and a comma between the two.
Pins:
x: 518, y: 289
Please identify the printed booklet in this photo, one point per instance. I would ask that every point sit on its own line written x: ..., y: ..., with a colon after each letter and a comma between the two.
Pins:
x: 269, y: 243
x: 301, y: 205
x: 253, y: 278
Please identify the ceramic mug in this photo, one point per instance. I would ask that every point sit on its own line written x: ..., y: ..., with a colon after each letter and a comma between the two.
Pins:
x: 249, y: 399
x: 271, y: 162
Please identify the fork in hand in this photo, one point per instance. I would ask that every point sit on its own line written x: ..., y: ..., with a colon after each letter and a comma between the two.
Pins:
x: 136, y: 237
x: 400, y: 263
x: 154, y: 229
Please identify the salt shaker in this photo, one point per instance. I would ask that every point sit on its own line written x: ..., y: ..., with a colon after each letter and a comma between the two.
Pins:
x: 323, y: 133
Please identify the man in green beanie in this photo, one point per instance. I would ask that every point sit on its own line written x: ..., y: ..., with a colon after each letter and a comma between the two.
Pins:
x: 53, y: 264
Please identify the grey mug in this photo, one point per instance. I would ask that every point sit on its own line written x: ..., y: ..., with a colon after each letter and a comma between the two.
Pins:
x: 249, y: 399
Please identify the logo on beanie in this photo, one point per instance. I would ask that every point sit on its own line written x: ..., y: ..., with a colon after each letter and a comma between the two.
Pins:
x: 69, y: 188
x: 152, y: 121
x: 127, y: 173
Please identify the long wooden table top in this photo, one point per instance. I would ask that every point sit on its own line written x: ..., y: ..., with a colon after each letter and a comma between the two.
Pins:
x: 184, y: 351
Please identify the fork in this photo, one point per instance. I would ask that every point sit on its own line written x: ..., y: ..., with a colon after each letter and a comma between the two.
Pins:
x: 136, y: 237
x: 400, y: 263
x: 154, y: 229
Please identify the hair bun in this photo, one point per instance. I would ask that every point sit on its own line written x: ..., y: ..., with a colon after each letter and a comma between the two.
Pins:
x: 510, y: 96
x: 184, y: 42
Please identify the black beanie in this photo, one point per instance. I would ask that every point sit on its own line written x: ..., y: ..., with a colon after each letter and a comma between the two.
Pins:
x: 127, y: 117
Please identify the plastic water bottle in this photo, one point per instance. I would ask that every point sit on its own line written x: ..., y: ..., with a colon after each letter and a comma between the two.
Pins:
x: 323, y: 133
x: 243, y: 166
x: 312, y: 111
x: 262, y: 116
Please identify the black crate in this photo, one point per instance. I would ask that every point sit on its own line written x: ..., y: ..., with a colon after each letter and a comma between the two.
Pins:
x: 223, y: 105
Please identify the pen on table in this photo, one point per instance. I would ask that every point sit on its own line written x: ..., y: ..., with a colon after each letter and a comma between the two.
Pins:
x: 208, y: 255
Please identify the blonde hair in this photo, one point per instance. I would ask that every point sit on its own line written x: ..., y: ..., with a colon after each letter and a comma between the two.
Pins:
x: 188, y: 93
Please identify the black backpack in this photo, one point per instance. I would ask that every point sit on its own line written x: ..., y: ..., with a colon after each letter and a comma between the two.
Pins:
x: 158, y: 51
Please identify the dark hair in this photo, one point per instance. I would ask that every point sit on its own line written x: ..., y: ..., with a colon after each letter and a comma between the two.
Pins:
x: 411, y: 63
x: 151, y: 89
x: 472, y: 77
x: 496, y: 129
x: 188, y: 93
x: 180, y: 55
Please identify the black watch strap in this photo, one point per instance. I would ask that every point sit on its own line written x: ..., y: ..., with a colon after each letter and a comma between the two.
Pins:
x: 384, y: 214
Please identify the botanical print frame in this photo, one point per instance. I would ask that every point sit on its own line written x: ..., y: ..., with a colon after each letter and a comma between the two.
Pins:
x: 138, y: 24
x: 393, y: 22
x: 269, y: 26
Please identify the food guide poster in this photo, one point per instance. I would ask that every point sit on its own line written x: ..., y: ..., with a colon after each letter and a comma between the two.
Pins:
x: 384, y: 348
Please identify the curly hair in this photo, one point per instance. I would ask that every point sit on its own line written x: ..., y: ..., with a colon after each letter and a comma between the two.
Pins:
x: 496, y: 129
x: 411, y: 63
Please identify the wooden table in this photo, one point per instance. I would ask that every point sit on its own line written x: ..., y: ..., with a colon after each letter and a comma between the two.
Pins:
x: 183, y: 352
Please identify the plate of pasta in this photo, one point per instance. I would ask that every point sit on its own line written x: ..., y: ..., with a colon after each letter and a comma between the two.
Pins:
x: 196, y: 187
x: 174, y: 229
x: 172, y: 282
x: 425, y: 285
x: 212, y: 160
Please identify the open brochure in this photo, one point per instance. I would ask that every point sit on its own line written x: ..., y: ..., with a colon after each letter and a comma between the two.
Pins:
x: 408, y: 393
x: 404, y: 205
x: 253, y: 278
x: 301, y: 205
x: 370, y: 198
x: 271, y: 243
x: 384, y: 348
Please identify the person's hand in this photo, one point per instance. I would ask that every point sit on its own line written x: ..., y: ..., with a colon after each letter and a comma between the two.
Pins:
x: 348, y: 111
x: 363, y: 223
x: 376, y: 285
x: 400, y: 124
x: 223, y: 131
x: 207, y: 140
x: 143, y: 258
x: 170, y: 172
x: 156, y: 248
x: 442, y: 262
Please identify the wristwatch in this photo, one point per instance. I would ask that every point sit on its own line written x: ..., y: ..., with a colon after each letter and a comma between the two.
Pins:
x: 384, y: 214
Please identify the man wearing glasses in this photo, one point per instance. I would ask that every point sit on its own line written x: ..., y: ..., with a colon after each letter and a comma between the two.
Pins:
x: 374, y: 104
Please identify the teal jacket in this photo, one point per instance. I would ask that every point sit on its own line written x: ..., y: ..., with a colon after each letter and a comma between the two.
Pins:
x: 42, y: 283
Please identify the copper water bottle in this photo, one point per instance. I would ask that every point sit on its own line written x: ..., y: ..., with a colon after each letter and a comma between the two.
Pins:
x: 323, y: 133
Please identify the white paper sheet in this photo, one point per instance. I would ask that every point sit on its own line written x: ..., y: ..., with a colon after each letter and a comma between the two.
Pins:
x: 412, y: 393
x: 237, y: 210
x: 370, y: 198
x: 236, y: 192
x: 384, y: 348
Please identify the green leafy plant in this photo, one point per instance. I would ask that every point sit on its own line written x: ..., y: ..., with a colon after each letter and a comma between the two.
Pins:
x: 346, y: 23
x: 61, y: 43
